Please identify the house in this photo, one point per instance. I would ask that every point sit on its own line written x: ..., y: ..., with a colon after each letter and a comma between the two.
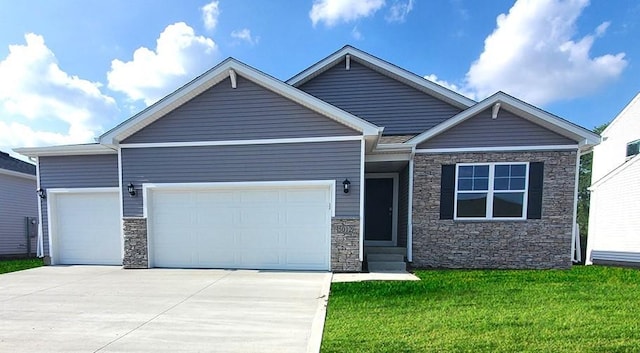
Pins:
x: 614, y: 225
x: 18, y: 207
x: 237, y: 169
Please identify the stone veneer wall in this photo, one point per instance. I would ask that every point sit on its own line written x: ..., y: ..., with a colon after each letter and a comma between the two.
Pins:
x: 532, y: 243
x: 345, y: 245
x: 135, y: 243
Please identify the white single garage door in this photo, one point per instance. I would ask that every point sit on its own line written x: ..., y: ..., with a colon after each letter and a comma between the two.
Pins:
x: 251, y: 227
x: 85, y: 228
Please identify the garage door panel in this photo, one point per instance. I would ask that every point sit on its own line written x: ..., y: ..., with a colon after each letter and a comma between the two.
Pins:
x: 262, y: 228
x: 86, y: 228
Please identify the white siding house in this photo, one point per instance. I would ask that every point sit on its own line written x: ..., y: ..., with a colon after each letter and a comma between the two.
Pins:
x: 614, y: 218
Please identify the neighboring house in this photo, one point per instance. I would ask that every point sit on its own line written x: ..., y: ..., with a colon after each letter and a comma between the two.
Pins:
x: 237, y: 169
x: 614, y: 213
x: 17, y: 202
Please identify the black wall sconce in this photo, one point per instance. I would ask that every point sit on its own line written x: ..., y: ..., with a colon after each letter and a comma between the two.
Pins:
x: 346, y: 184
x: 131, y: 189
x: 41, y: 193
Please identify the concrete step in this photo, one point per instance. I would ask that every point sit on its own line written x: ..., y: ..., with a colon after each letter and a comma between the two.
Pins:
x: 387, y: 266
x: 385, y: 257
x: 385, y: 250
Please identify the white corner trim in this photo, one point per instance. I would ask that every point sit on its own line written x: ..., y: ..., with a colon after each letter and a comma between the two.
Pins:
x: 243, y: 142
x: 410, y: 214
x: 498, y: 149
x: 18, y: 174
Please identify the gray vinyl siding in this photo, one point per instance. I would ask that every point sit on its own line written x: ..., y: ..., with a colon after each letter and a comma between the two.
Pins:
x: 93, y: 171
x: 275, y: 162
x: 17, y: 200
x: 383, y: 101
x: 403, y: 206
x: 246, y: 112
x: 507, y: 130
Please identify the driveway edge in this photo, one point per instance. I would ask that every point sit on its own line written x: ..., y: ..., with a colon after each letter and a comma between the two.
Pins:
x: 317, y: 327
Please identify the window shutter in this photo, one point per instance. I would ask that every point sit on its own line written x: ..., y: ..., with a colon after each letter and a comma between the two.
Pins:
x: 447, y: 191
x: 534, y: 204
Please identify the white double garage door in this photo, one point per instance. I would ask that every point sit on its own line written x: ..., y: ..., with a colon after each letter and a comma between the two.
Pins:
x: 284, y: 225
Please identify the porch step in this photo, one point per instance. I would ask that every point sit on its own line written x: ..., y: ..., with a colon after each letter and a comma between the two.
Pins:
x: 385, y: 257
x: 387, y: 266
x: 385, y: 250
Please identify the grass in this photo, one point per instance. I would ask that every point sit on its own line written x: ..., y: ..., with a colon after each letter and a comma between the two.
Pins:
x: 7, y: 266
x: 586, y: 309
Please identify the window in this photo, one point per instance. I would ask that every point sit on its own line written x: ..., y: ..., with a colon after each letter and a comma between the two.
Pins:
x: 633, y: 148
x: 491, y: 191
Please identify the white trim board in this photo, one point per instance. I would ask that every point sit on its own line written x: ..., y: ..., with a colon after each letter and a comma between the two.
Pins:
x: 13, y: 173
x: 538, y: 116
x: 243, y: 142
x: 68, y: 150
x: 384, y: 68
x: 499, y: 149
x: 217, y: 75
x: 394, y: 215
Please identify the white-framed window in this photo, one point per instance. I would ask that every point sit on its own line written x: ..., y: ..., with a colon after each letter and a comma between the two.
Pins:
x: 633, y: 148
x: 491, y: 191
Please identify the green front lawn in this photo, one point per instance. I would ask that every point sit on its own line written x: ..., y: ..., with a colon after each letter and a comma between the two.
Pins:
x: 18, y: 265
x: 586, y: 309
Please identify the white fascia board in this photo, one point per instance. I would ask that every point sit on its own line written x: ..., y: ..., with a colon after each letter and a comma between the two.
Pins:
x: 215, y: 76
x: 387, y: 147
x: 68, y: 150
x: 499, y: 149
x: 384, y: 67
x: 560, y: 126
x: 13, y: 173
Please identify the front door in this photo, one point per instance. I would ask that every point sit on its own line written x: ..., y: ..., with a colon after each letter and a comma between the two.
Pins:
x: 378, y: 211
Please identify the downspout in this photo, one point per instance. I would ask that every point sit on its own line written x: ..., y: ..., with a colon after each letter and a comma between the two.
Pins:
x: 410, y: 208
x: 574, y: 229
x: 362, y: 156
x: 40, y: 240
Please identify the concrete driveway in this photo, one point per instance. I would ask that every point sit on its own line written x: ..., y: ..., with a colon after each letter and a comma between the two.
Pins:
x: 107, y: 309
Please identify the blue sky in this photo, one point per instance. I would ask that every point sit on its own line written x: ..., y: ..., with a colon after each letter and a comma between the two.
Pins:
x: 72, y: 69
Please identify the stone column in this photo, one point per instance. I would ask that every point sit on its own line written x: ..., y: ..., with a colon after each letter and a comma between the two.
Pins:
x: 135, y: 243
x: 345, y: 245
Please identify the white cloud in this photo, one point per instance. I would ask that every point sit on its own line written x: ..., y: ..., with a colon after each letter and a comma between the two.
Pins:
x: 210, y: 13
x: 35, y: 91
x: 452, y: 86
x: 534, y: 55
x: 245, y: 35
x: 332, y: 12
x: 179, y: 55
x: 356, y: 34
x: 399, y: 10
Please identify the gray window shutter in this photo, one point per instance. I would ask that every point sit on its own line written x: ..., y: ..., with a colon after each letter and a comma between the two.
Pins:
x: 536, y: 176
x: 447, y: 191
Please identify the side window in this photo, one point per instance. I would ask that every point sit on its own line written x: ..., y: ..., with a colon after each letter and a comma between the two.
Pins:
x: 633, y: 148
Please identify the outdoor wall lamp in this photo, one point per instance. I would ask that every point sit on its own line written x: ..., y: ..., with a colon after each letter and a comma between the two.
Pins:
x: 131, y: 189
x: 41, y: 193
x: 346, y: 184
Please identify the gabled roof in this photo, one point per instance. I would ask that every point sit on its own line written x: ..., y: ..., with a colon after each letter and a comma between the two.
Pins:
x: 622, y: 114
x: 386, y: 69
x: 582, y: 136
x: 8, y: 163
x: 214, y: 76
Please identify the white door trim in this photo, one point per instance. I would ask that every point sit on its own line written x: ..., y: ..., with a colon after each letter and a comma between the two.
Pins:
x: 148, y: 188
x: 394, y: 215
x: 51, y: 196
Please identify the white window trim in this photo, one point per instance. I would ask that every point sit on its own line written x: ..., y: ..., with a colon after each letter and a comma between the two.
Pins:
x: 490, y: 193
